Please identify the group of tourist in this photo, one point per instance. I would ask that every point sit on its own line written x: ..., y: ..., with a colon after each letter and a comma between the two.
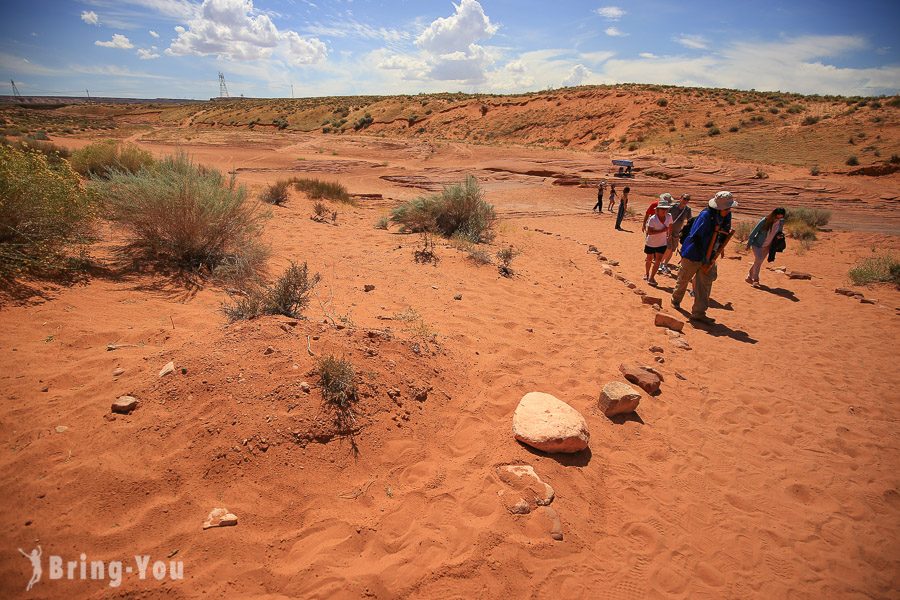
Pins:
x: 668, y: 224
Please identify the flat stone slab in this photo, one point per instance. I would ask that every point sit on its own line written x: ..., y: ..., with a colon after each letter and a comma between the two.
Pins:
x: 547, y: 423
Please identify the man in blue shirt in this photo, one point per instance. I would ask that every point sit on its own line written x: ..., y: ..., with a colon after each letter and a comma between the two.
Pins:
x: 712, y: 221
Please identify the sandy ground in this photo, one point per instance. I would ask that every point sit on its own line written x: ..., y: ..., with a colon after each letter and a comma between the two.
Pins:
x: 767, y: 468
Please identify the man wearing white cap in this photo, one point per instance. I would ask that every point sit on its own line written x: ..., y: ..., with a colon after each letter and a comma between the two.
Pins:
x: 699, y: 252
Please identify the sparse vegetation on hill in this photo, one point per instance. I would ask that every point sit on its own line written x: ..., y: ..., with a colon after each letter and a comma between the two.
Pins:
x: 44, y: 211
x: 277, y: 193
x: 877, y: 269
x: 337, y: 378
x: 101, y: 158
x: 184, y: 213
x: 458, y: 211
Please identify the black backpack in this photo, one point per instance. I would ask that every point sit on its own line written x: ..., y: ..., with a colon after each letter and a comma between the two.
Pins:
x: 686, y: 230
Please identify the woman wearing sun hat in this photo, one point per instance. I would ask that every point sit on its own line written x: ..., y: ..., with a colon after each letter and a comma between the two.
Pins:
x: 659, y: 228
x: 697, y: 260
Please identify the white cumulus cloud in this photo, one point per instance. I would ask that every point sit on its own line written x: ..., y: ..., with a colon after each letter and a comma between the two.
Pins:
x: 468, y: 25
x: 234, y: 29
x: 647, y: 55
x: 577, y: 75
x: 90, y: 17
x: 612, y: 13
x: 147, y: 54
x: 153, y: 34
x: 118, y: 41
x: 614, y: 32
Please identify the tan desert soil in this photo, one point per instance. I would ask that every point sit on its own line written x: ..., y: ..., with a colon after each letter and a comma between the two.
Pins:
x: 767, y: 467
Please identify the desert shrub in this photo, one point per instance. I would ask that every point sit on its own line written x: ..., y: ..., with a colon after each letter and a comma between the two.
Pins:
x: 714, y: 131
x: 795, y: 109
x: 734, y: 129
x: 317, y: 189
x: 852, y: 161
x: 814, y: 170
x: 632, y: 147
x: 320, y: 209
x: 479, y: 257
x: 288, y: 296
x: 814, y: 217
x: 363, y: 122
x: 877, y: 269
x: 505, y: 256
x: 54, y: 153
x: 742, y: 231
x: 382, y: 223
x: 337, y: 378
x: 183, y: 213
x: 44, y: 210
x: 800, y: 230
x: 39, y: 135
x: 760, y: 174
x: 662, y: 102
x: 810, y: 120
x: 459, y: 210
x: 280, y: 123
x: 277, y: 193
x: 895, y: 159
x: 101, y: 158
x: 709, y: 124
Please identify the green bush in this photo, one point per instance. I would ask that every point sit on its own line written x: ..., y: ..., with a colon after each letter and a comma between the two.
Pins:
x: 852, y: 161
x: 288, y: 296
x: 459, y: 210
x: 44, y: 210
x: 382, y: 223
x: 662, y: 102
x: 184, y: 213
x: 877, y: 269
x: 814, y: 217
x: 101, y: 158
x: 277, y: 193
x: 814, y: 170
x: 337, y: 379
x: 714, y: 131
x: 810, y: 120
x: 55, y: 154
x: 316, y: 190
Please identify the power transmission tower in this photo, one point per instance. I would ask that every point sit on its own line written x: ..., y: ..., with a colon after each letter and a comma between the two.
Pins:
x: 16, y: 93
x: 223, y: 89
x: 88, y: 95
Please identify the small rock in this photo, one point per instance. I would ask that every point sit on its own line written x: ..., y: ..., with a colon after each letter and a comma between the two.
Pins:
x: 46, y: 388
x: 434, y: 287
x: 549, y: 424
x: 643, y: 377
x: 845, y: 292
x: 651, y: 300
x: 617, y: 398
x: 304, y: 387
x: 368, y: 287
x: 660, y: 359
x: 657, y: 349
x: 614, y: 263
x: 269, y: 350
x: 680, y: 343
x: 457, y: 297
x: 220, y: 517
x: 555, y: 524
x: 799, y: 275
x: 668, y: 321
x: 593, y: 249
x: 169, y: 368
x: 525, y: 482
x: 607, y: 271
x: 61, y: 429
x: 118, y: 372
x: 868, y: 300
x: 680, y: 376
x: 124, y: 404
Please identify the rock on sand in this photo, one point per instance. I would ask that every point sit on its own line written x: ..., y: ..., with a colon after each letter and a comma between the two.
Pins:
x: 643, y: 377
x: 617, y: 398
x: 220, y: 517
x: 544, y: 422
x: 668, y: 321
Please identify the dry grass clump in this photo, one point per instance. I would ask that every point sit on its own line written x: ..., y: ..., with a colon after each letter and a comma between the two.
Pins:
x: 317, y: 189
x: 877, y: 269
x: 382, y: 223
x: 506, y: 256
x: 337, y: 379
x: 101, y: 158
x: 288, y: 296
x: 742, y: 231
x: 185, y: 214
x: 814, y: 217
x: 458, y: 211
x: 277, y: 193
x: 44, y: 210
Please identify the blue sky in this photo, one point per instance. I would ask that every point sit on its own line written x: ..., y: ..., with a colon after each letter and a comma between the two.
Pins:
x: 175, y: 48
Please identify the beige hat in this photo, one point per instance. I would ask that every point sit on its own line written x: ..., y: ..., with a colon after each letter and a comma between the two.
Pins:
x: 722, y: 201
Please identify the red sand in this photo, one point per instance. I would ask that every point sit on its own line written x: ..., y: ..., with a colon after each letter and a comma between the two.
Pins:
x: 769, y: 471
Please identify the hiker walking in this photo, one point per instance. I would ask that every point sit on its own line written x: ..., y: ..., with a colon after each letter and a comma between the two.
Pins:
x: 681, y: 214
x: 659, y: 228
x: 699, y: 251
x: 623, y: 205
x: 612, y: 196
x: 760, y: 241
x: 599, y: 206
x: 651, y: 210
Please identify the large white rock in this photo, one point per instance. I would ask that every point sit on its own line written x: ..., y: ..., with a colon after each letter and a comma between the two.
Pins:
x: 547, y: 423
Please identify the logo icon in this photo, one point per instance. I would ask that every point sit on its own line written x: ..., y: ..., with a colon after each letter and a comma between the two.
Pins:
x: 35, y: 558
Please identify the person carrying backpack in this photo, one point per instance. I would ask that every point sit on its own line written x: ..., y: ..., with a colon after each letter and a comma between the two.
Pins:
x: 681, y: 216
